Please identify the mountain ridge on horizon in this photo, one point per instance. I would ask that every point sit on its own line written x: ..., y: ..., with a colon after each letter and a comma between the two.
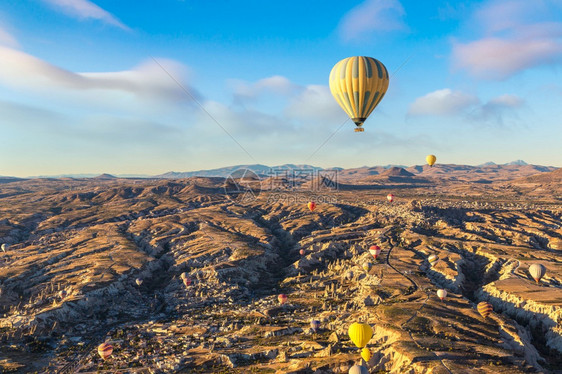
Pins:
x: 260, y: 169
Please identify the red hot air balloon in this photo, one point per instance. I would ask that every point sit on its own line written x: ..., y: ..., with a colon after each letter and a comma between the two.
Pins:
x: 375, y: 250
x: 302, y: 252
x: 312, y: 206
x: 390, y: 197
x: 186, y: 281
x: 105, y: 350
x: 282, y: 298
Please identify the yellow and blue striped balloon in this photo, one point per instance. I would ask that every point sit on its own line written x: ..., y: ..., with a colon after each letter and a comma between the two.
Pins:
x: 358, y: 85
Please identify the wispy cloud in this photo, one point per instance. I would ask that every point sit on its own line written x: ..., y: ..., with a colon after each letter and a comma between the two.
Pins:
x: 84, y: 9
x: 449, y: 103
x: 518, y: 35
x: 7, y: 39
x: 443, y: 102
x: 372, y: 16
x: 147, y: 80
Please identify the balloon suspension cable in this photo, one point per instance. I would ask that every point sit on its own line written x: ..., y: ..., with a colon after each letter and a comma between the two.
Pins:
x: 186, y: 91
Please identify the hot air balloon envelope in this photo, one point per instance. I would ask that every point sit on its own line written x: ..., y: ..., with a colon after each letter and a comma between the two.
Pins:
x: 358, y: 369
x: 105, y: 350
x: 430, y: 159
x: 485, y: 308
x: 360, y: 333
x: 312, y: 206
x: 537, y: 271
x: 358, y: 84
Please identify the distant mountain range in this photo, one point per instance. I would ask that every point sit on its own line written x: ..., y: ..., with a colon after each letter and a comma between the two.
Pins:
x: 268, y: 171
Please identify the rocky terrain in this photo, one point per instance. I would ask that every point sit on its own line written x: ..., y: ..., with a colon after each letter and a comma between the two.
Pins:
x: 75, y: 248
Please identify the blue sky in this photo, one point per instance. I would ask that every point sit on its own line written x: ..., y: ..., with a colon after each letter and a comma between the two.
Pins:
x: 92, y: 86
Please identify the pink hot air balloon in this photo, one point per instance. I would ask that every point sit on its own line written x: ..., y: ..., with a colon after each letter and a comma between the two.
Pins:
x: 302, y: 252
x: 375, y: 250
x: 390, y: 197
x: 282, y: 298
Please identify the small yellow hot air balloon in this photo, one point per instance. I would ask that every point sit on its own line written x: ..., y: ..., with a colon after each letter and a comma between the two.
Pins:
x: 360, y: 334
x: 366, y: 354
x: 431, y: 160
x: 358, y: 84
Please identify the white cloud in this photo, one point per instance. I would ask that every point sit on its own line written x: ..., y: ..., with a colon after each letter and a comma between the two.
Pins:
x: 147, y: 80
x: 519, y: 35
x: 371, y: 16
x: 84, y: 9
x: 7, y: 39
x: 447, y: 102
x: 443, y: 102
x: 276, y: 84
x: 314, y: 102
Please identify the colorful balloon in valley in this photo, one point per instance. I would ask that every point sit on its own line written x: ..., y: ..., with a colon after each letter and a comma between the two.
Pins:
x: 442, y: 294
x: 302, y: 252
x: 537, y: 271
x: 360, y: 334
x: 367, y: 266
x: 433, y: 259
x: 366, y: 354
x: 390, y: 197
x: 105, y: 350
x: 312, y: 206
x: 138, y: 281
x: 485, y: 308
x: 282, y: 298
x: 315, y: 325
x: 431, y: 160
x: 375, y: 251
x: 186, y: 281
x: 63, y: 294
x: 358, y: 84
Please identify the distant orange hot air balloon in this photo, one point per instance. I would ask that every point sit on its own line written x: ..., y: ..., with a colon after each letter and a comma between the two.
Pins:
x: 485, y: 308
x: 390, y: 197
x: 375, y: 250
x: 105, y: 350
x: 312, y: 206
x: 302, y: 252
x: 282, y: 298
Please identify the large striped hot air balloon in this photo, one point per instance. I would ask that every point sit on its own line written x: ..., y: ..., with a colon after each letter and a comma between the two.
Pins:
x: 360, y: 333
x: 105, y: 350
x: 485, y: 308
x: 537, y: 271
x: 390, y: 197
x: 311, y: 205
x: 375, y: 250
x: 442, y: 294
x: 431, y: 160
x: 282, y: 298
x: 358, y: 369
x: 433, y: 259
x: 358, y: 84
